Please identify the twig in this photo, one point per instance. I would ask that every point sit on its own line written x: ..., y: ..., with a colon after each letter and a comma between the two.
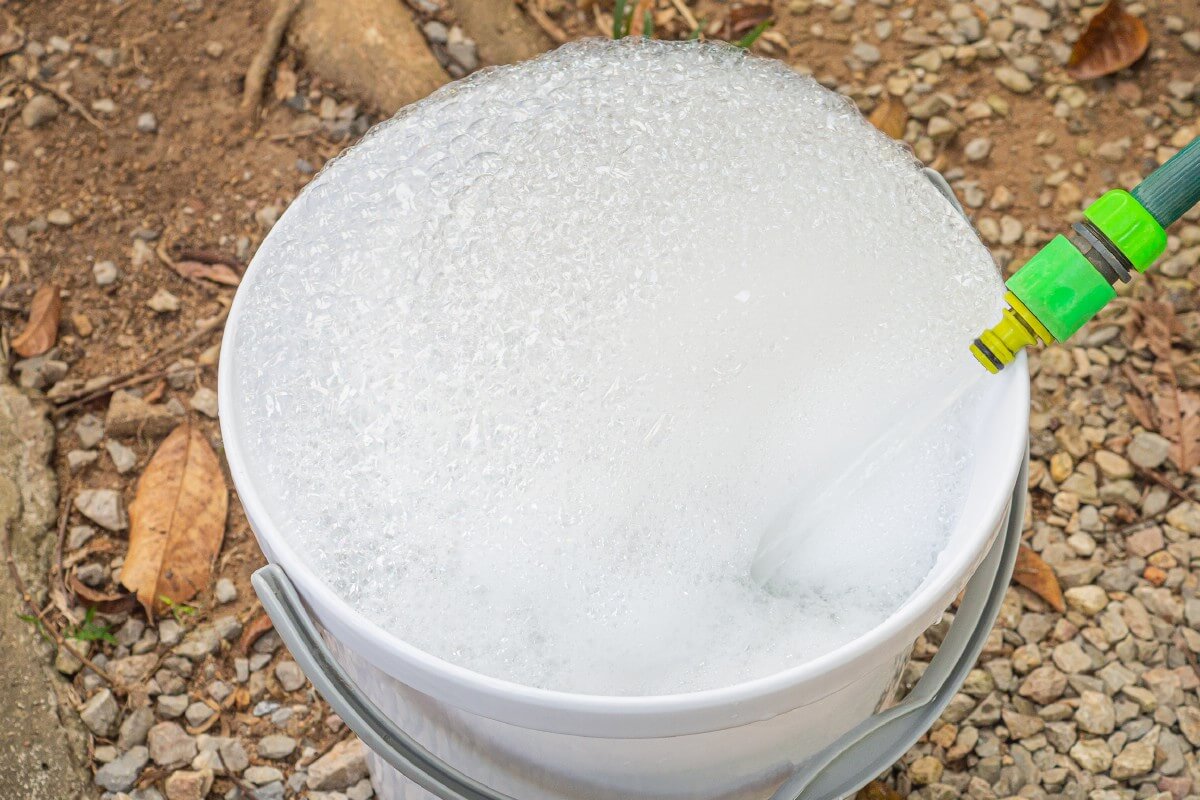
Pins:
x: 69, y: 100
x: 315, y: 756
x: 686, y: 13
x: 260, y: 65
x: 543, y: 21
x: 1166, y: 483
x: 137, y: 372
x: 27, y: 599
x: 108, y: 389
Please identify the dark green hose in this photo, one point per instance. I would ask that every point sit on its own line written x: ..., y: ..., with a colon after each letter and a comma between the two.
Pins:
x: 1172, y: 189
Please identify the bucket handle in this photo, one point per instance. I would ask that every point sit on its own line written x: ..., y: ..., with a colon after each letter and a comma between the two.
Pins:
x: 841, y: 768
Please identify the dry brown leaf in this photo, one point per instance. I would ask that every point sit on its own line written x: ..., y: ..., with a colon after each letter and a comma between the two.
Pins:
x: 1179, y: 418
x: 1037, y: 576
x: 102, y: 601
x: 41, y: 331
x: 891, y: 117
x: 1140, y: 410
x: 256, y: 629
x: 744, y: 16
x: 877, y: 791
x: 199, y: 271
x: 1114, y: 40
x: 176, y: 521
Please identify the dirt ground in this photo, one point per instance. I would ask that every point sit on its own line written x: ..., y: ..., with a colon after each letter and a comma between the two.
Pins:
x: 139, y: 157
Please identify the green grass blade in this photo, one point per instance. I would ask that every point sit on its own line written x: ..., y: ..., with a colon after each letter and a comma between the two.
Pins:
x: 752, y: 36
x: 619, y: 29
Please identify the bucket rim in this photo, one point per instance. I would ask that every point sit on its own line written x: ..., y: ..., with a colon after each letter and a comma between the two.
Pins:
x: 637, y: 716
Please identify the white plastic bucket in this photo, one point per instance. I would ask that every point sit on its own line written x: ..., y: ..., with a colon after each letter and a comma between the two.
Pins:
x: 736, y: 742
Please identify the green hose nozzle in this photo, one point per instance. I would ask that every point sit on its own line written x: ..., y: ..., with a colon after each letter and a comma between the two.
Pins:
x: 1069, y: 280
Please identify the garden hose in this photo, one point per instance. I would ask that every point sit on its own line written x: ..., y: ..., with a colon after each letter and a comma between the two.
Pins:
x: 1068, y: 281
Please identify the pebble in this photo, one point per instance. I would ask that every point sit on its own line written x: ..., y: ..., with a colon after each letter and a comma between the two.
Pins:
x: 121, y: 773
x: 342, y: 767
x: 1014, y: 80
x: 100, y: 714
x: 78, y: 459
x: 40, y: 109
x: 1092, y: 755
x: 198, y: 713
x: 978, y: 149
x: 205, y: 401
x: 1043, y: 685
x: 290, y: 677
x: 147, y: 122
x: 226, y: 591
x: 260, y: 775
x: 276, y: 746
x: 1096, y: 713
x: 163, y: 302
x: 130, y: 415
x: 105, y: 273
x: 123, y: 458
x: 103, y: 507
x: 170, y: 745
x: 1090, y: 600
x: 1113, y: 465
x: 1136, y: 759
x: 90, y: 431
x: 188, y: 784
x: 134, y: 729
x: 199, y: 643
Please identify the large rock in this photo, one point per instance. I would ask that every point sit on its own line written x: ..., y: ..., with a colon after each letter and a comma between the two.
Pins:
x: 42, y: 743
x: 340, y: 768
x: 371, y: 48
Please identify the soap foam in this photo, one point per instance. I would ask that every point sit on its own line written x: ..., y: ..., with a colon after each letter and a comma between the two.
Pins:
x: 526, y: 374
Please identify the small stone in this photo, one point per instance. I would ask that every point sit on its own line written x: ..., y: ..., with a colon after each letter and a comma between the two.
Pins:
x: 1185, y: 517
x: 276, y: 746
x: 135, y: 727
x: 90, y: 431
x: 103, y: 507
x: 1092, y: 754
x: 1044, y: 685
x: 340, y: 768
x: 130, y: 415
x: 163, y: 302
x: 78, y: 536
x: 121, y: 773
x: 926, y: 770
x: 170, y: 745
x: 1136, y: 759
x: 978, y: 149
x: 266, y: 217
x: 464, y: 54
x: 1144, y: 542
x: 61, y: 218
x: 290, y: 677
x: 100, y: 714
x: 123, y: 458
x: 198, y: 713
x: 40, y: 109
x: 1090, y: 600
x: 1071, y: 659
x: 1189, y: 724
x: 361, y: 790
x: 866, y: 52
x: 172, y: 706
x: 105, y: 273
x: 147, y: 122
x: 78, y: 459
x: 169, y: 632
x: 1096, y: 713
x: 225, y: 591
x: 214, y: 49
x: 262, y: 775
x: 205, y: 401
x: 436, y: 32
x: 1113, y: 465
x: 227, y: 627
x: 234, y: 756
x: 188, y: 784
x: 199, y: 643
x: 1148, y: 450
x: 1014, y: 80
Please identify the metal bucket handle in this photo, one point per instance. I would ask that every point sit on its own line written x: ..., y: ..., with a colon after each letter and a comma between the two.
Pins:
x: 841, y: 768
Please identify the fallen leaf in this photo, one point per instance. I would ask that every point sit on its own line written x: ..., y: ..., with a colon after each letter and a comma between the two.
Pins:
x: 254, y: 631
x: 177, y: 521
x: 745, y: 16
x: 877, y: 791
x: 1037, y: 576
x: 199, y: 271
x: 102, y: 601
x: 891, y: 117
x: 1179, y: 421
x: 1140, y: 410
x: 41, y: 331
x: 1114, y: 40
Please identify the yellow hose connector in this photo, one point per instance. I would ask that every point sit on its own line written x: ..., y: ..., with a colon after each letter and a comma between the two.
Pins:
x: 1018, y: 328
